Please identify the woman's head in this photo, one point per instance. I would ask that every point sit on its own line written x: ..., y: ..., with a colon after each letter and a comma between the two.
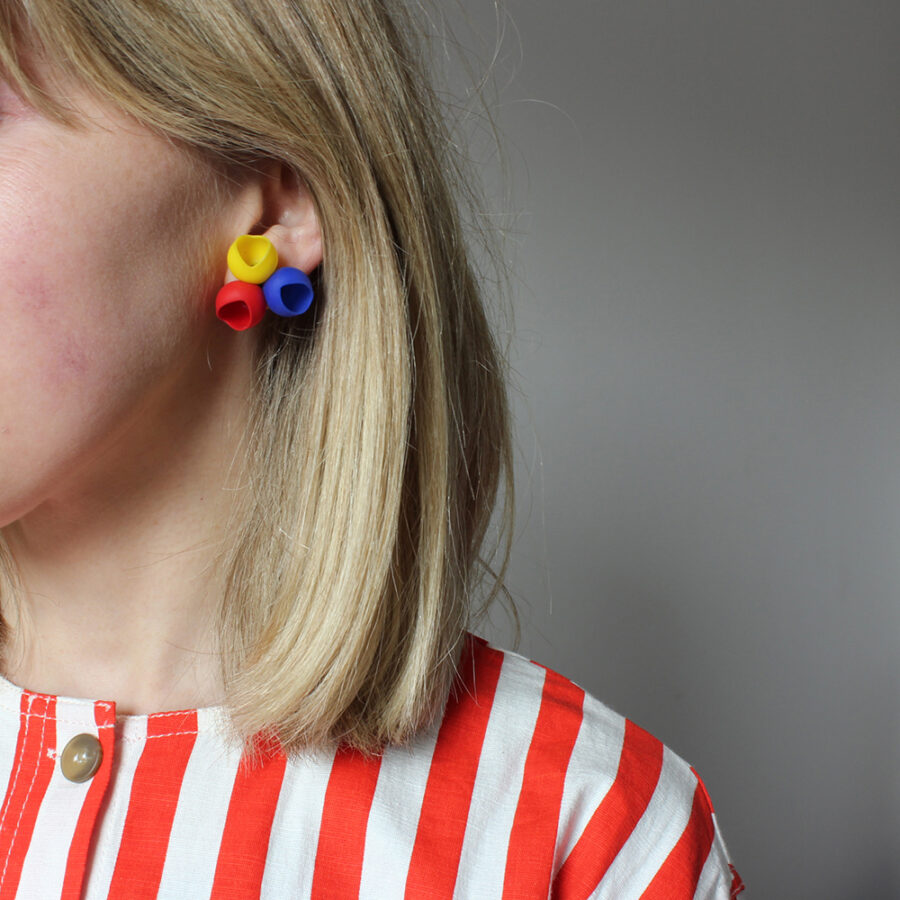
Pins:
x: 108, y: 245
x: 378, y: 434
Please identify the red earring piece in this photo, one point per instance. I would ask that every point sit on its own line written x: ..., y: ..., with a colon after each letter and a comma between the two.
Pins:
x: 240, y: 305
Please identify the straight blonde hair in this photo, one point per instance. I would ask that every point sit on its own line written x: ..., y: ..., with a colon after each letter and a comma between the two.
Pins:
x: 380, y: 440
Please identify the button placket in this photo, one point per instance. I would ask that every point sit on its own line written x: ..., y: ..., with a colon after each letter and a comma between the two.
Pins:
x: 69, y: 807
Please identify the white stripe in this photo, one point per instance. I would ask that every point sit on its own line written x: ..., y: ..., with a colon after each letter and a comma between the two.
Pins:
x: 295, y: 828
x: 396, y: 807
x: 656, y: 834
x: 10, y: 702
x: 591, y: 773
x: 498, y: 783
x: 131, y: 736
x: 199, y: 821
x: 9, y: 737
x: 44, y: 870
x: 26, y: 772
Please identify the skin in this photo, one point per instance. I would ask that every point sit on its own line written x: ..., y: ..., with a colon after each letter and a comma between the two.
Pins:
x: 121, y: 400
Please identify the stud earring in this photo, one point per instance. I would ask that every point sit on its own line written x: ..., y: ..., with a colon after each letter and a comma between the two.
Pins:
x: 253, y: 260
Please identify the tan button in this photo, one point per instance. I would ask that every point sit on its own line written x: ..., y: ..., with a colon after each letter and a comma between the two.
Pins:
x: 81, y: 758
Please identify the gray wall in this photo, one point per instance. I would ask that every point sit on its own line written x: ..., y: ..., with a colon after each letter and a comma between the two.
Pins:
x: 706, y: 342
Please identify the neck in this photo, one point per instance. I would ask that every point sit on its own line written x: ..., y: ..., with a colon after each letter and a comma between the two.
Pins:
x: 119, y: 582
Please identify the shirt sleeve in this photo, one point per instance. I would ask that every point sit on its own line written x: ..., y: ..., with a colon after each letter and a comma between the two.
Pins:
x: 652, y: 834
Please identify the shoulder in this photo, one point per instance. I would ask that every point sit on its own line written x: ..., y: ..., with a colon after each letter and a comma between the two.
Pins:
x: 600, y: 804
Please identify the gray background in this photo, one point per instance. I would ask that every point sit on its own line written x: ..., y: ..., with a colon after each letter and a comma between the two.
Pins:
x: 705, y: 230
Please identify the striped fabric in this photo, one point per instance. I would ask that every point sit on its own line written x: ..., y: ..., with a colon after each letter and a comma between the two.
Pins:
x: 527, y: 788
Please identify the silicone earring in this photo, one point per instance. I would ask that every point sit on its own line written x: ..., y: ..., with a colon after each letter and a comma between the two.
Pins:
x: 252, y: 258
x: 240, y: 305
x: 288, y: 292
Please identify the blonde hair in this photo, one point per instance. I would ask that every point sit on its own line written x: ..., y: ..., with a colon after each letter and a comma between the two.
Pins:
x: 380, y: 435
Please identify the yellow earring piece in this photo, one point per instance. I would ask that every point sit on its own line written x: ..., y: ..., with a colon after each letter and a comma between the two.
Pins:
x: 252, y: 258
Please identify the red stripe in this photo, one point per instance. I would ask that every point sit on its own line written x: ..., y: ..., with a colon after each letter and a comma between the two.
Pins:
x: 151, y: 807
x: 35, y: 751
x: 245, y: 840
x: 342, y: 832
x: 76, y: 864
x: 532, y: 842
x: 640, y: 764
x: 678, y: 876
x: 451, y: 778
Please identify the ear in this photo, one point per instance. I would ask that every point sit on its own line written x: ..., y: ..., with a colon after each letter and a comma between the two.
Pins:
x: 290, y: 220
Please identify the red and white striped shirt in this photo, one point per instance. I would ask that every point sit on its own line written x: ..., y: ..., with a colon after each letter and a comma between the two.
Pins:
x: 526, y: 788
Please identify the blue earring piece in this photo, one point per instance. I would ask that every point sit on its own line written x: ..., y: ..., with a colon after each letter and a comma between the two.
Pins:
x: 288, y: 292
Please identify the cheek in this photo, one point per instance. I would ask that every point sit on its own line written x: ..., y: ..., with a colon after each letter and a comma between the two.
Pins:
x: 99, y: 306
x: 78, y: 354
x: 50, y: 348
x: 45, y: 342
x: 51, y: 387
x: 94, y: 311
x: 53, y: 355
